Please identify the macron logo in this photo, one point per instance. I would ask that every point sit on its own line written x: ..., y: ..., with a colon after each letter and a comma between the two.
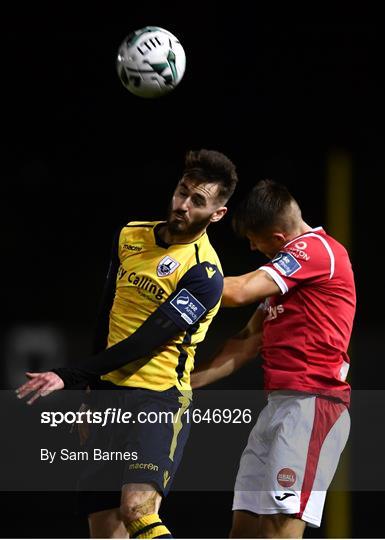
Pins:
x: 210, y: 271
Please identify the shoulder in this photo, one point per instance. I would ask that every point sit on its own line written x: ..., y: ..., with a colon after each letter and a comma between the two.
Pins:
x: 206, y: 253
x: 135, y: 228
x: 134, y: 235
x: 141, y: 224
x: 205, y: 274
x: 314, y: 249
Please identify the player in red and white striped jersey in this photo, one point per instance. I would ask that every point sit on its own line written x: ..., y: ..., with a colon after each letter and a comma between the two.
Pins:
x: 302, y: 329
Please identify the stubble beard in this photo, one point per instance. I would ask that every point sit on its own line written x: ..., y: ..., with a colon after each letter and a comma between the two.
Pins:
x: 184, y: 228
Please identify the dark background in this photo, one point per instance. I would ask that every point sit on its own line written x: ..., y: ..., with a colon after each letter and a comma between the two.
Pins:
x: 82, y: 156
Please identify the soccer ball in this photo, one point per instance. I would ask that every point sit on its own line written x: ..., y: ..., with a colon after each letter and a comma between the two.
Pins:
x: 150, y: 62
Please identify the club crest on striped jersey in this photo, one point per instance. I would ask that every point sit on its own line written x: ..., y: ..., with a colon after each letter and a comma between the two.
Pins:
x: 166, y: 266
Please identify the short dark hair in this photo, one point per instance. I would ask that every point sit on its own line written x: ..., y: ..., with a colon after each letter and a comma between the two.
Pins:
x: 211, y: 166
x: 267, y: 205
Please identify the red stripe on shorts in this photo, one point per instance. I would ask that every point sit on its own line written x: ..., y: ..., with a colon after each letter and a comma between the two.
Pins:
x: 326, y: 414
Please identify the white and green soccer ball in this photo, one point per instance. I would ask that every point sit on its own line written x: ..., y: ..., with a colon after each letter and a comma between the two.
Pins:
x: 151, y: 62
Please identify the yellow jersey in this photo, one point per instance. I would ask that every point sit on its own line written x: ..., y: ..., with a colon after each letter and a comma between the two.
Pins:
x: 184, y: 281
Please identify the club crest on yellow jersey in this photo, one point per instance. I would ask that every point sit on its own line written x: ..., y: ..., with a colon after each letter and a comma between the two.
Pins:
x: 166, y: 266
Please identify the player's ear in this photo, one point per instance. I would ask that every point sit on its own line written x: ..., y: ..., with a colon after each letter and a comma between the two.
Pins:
x: 218, y: 214
x: 279, y: 238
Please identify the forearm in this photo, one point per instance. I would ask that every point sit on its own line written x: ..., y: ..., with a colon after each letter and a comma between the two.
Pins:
x: 235, y: 353
x: 222, y: 367
x: 232, y: 292
x: 155, y: 332
x: 248, y: 288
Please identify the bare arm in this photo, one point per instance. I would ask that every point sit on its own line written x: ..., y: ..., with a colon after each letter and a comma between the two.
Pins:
x: 248, y: 288
x: 235, y: 353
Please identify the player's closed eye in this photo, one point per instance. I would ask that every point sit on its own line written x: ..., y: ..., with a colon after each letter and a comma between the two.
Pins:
x: 198, y: 201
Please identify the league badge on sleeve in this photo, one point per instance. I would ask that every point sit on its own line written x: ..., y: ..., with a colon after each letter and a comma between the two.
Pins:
x: 286, y: 263
x: 190, y: 309
x: 167, y: 266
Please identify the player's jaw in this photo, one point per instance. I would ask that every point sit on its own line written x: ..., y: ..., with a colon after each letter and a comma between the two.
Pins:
x: 181, y: 224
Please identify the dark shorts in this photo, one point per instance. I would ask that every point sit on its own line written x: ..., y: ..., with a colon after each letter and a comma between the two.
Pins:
x: 146, y: 450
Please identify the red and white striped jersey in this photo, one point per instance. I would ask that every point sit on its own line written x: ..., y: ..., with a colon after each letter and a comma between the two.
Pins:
x: 308, y: 327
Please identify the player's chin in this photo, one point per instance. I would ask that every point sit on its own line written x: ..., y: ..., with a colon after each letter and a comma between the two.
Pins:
x: 177, y: 225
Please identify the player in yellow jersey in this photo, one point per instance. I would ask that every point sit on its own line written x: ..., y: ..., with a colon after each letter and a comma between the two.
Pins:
x: 163, y: 289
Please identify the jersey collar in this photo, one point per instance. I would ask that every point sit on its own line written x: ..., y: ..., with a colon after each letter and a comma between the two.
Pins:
x: 158, y: 240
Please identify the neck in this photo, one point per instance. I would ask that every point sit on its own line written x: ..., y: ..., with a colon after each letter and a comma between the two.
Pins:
x: 301, y: 228
x: 174, y: 238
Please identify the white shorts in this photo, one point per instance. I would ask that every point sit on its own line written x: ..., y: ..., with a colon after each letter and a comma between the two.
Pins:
x: 291, y: 456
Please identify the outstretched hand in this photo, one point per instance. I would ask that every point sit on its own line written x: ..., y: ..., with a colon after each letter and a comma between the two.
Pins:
x: 41, y: 383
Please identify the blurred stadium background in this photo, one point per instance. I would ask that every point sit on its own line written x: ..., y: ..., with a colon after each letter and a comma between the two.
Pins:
x: 300, y: 103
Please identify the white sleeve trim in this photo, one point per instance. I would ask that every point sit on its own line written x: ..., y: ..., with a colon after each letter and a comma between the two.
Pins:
x: 328, y: 249
x: 277, y: 278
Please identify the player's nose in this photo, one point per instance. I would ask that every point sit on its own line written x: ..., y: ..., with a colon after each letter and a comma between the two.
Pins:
x: 183, y: 206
